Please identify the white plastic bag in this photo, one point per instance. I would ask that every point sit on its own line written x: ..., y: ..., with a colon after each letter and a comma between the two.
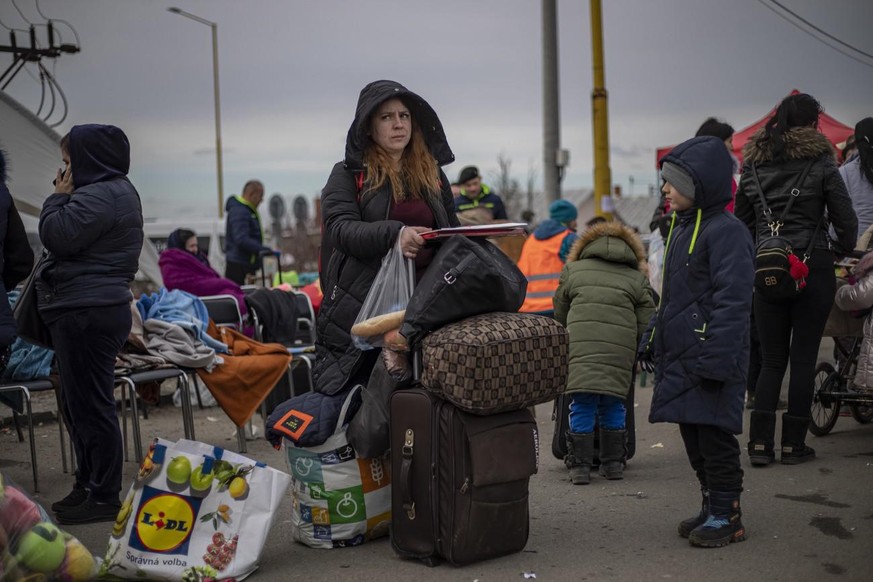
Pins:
x: 194, y: 512
x: 339, y: 498
x: 385, y: 305
x: 656, y: 261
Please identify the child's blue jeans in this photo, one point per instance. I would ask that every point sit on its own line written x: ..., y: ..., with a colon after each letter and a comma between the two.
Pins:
x: 610, y: 411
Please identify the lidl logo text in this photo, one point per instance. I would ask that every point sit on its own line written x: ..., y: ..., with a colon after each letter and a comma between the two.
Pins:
x: 164, y: 522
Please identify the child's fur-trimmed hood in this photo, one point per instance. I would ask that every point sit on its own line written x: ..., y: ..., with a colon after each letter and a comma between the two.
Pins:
x: 611, y: 229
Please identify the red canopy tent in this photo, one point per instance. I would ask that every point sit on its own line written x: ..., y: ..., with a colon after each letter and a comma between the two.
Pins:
x: 835, y: 131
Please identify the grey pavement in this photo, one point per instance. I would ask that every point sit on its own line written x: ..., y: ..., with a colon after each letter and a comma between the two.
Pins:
x: 805, y: 522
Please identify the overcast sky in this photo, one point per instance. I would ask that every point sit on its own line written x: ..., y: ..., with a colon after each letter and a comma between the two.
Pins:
x: 291, y: 71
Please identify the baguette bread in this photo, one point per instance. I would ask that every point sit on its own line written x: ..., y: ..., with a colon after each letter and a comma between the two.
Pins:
x: 379, y: 324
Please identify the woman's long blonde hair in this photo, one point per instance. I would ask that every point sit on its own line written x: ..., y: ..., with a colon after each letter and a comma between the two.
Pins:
x: 418, y: 176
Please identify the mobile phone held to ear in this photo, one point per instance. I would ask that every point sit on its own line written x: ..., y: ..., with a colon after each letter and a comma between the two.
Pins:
x: 63, y: 172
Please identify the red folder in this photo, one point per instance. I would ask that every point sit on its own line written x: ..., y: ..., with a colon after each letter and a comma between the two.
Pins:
x: 500, y: 229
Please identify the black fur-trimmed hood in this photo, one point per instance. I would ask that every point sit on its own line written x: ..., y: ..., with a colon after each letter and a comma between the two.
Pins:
x: 373, y: 95
x: 801, y: 143
x: 2, y: 167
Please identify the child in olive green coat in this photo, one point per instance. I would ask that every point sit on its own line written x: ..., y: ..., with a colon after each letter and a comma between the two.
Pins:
x: 605, y: 301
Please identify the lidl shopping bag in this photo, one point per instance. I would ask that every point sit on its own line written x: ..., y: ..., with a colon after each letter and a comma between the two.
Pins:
x: 194, y: 512
x: 339, y: 499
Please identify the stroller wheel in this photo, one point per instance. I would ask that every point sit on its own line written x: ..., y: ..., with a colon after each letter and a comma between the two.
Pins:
x: 863, y: 413
x: 825, y: 409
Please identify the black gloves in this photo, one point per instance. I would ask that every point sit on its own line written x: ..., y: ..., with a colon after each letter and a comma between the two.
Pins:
x: 646, y: 361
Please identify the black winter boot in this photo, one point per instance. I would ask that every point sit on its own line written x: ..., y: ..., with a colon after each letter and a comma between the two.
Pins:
x: 762, y: 426
x: 687, y: 525
x: 612, y: 453
x: 723, y: 526
x: 794, y: 449
x: 580, y: 453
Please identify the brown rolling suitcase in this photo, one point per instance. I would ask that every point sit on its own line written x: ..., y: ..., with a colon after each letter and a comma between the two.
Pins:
x: 461, y: 488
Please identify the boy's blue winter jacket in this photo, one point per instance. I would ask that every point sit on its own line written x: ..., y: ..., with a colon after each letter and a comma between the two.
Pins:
x: 700, y: 336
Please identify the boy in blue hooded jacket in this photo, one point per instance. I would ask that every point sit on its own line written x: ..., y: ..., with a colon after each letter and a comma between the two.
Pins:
x: 699, y: 339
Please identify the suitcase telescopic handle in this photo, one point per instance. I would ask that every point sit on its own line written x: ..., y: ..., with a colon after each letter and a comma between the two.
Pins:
x: 406, y: 473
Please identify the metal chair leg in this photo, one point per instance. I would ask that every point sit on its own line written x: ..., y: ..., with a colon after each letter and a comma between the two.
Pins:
x: 264, y: 416
x: 123, y: 386
x: 25, y: 395
x: 61, y: 430
x: 17, y: 426
x: 134, y: 425
x: 241, y: 438
x: 197, y: 391
x: 134, y: 418
x: 32, y: 441
x: 187, y: 411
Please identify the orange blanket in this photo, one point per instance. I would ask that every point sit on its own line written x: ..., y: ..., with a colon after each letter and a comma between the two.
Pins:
x: 247, y: 375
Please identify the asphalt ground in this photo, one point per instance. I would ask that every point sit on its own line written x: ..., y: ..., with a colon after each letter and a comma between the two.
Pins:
x: 806, y: 522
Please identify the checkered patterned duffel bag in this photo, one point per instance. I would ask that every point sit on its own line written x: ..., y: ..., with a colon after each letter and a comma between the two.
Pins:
x: 496, y: 362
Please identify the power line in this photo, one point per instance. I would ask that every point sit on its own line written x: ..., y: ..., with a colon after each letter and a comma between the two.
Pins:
x: 70, y: 26
x: 817, y: 29
x: 21, y: 13
x: 44, y: 17
x: 793, y: 23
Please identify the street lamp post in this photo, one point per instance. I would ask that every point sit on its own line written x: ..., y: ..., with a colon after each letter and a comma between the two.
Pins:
x: 218, y: 156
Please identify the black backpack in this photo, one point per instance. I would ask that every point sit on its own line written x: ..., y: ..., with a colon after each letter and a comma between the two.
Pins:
x: 774, y: 254
x: 466, y: 277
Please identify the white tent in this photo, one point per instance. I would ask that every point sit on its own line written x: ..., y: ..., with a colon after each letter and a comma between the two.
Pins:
x: 33, y: 158
x: 32, y: 154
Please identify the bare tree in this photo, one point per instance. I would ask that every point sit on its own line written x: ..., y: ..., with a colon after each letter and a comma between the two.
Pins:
x: 508, y: 187
x: 529, y: 212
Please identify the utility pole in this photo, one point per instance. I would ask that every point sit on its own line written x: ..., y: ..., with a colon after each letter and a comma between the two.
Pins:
x: 600, y: 118
x: 22, y: 55
x: 551, y: 107
x: 219, y: 164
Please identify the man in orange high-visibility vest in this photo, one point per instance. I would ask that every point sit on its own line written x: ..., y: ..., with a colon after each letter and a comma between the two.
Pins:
x: 544, y: 255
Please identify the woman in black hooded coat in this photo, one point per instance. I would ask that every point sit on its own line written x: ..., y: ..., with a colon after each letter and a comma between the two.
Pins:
x: 389, y: 185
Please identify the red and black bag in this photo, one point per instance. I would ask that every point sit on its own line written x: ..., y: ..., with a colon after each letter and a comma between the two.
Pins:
x: 780, y: 274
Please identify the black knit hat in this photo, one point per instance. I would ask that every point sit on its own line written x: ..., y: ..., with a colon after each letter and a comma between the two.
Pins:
x: 467, y: 174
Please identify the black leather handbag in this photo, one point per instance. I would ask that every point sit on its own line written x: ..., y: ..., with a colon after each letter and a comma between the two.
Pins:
x: 467, y: 277
x: 29, y: 323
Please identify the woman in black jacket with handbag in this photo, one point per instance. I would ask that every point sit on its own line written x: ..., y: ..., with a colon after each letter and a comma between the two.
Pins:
x: 789, y: 150
x: 92, y: 228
